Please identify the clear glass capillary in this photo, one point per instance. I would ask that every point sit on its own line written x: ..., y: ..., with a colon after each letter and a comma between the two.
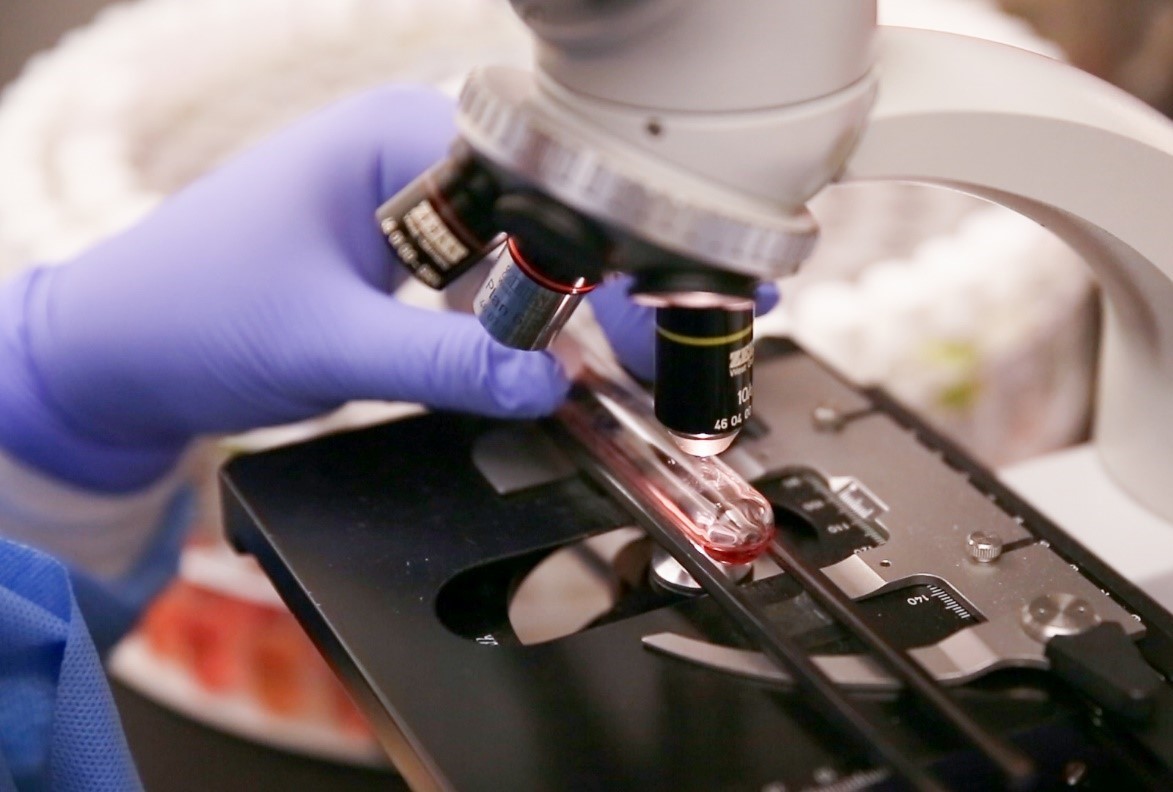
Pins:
x: 715, y: 508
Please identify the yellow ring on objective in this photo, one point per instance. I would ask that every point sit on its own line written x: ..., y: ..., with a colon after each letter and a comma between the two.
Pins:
x: 705, y: 342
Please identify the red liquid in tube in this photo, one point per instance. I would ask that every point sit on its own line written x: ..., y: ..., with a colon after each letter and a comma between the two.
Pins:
x: 709, y: 502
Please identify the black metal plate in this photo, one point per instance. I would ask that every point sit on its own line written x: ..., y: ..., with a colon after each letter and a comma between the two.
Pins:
x: 360, y: 531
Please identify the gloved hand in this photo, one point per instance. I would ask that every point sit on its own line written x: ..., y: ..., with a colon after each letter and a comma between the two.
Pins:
x: 258, y: 295
x: 631, y: 328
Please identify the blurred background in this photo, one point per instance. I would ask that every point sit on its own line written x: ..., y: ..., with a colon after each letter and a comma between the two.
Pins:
x: 31, y: 26
x: 978, y: 319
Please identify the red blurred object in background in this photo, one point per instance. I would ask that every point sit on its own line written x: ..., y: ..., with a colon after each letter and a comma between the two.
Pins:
x: 236, y: 646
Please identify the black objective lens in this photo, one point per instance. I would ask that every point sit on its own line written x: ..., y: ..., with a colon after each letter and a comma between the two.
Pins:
x: 441, y: 224
x: 704, y: 375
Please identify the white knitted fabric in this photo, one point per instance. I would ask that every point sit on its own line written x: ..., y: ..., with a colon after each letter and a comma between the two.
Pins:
x: 155, y: 92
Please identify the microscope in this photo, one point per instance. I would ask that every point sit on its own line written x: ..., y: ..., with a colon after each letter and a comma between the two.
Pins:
x: 914, y: 622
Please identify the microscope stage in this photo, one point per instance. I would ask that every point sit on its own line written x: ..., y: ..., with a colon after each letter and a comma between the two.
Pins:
x: 489, y: 606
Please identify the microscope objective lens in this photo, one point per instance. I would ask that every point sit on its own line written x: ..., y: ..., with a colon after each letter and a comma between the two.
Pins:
x: 521, y: 306
x: 704, y: 375
x: 440, y: 224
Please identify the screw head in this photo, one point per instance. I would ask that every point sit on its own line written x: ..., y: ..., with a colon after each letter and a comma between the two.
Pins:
x: 983, y: 547
x: 1057, y: 614
x: 828, y: 419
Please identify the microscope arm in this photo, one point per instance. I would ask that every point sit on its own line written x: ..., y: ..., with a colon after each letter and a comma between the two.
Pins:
x: 1083, y: 159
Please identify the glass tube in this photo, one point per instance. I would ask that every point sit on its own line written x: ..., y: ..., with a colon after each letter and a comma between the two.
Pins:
x: 715, y: 508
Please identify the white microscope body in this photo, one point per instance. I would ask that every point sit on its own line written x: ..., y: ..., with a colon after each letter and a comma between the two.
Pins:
x: 704, y: 126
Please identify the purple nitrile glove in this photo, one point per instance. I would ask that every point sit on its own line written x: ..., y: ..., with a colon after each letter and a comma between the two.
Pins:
x: 258, y: 295
x: 631, y: 328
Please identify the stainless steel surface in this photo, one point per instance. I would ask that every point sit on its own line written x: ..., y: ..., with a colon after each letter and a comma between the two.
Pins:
x: 499, y: 118
x: 857, y: 672
x: 928, y: 512
x: 931, y: 507
x: 1057, y: 614
x: 668, y: 572
x: 993, y: 591
x: 962, y: 657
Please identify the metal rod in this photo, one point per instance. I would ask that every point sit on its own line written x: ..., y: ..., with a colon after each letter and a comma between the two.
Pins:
x: 823, y: 694
x: 1016, y: 767
x: 623, y: 478
x: 606, y: 417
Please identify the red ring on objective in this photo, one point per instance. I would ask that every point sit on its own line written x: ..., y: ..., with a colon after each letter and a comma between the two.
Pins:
x: 543, y: 280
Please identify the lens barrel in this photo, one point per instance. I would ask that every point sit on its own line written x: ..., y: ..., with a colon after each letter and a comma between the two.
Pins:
x: 521, y: 306
x: 704, y: 375
x: 441, y: 224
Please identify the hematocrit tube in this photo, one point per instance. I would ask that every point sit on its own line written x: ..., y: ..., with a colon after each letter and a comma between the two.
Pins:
x: 703, y: 497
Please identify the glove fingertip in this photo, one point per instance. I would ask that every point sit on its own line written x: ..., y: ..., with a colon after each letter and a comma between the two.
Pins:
x: 766, y: 296
x: 523, y: 384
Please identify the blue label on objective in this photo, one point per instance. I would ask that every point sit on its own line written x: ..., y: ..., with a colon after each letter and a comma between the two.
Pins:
x: 516, y: 310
